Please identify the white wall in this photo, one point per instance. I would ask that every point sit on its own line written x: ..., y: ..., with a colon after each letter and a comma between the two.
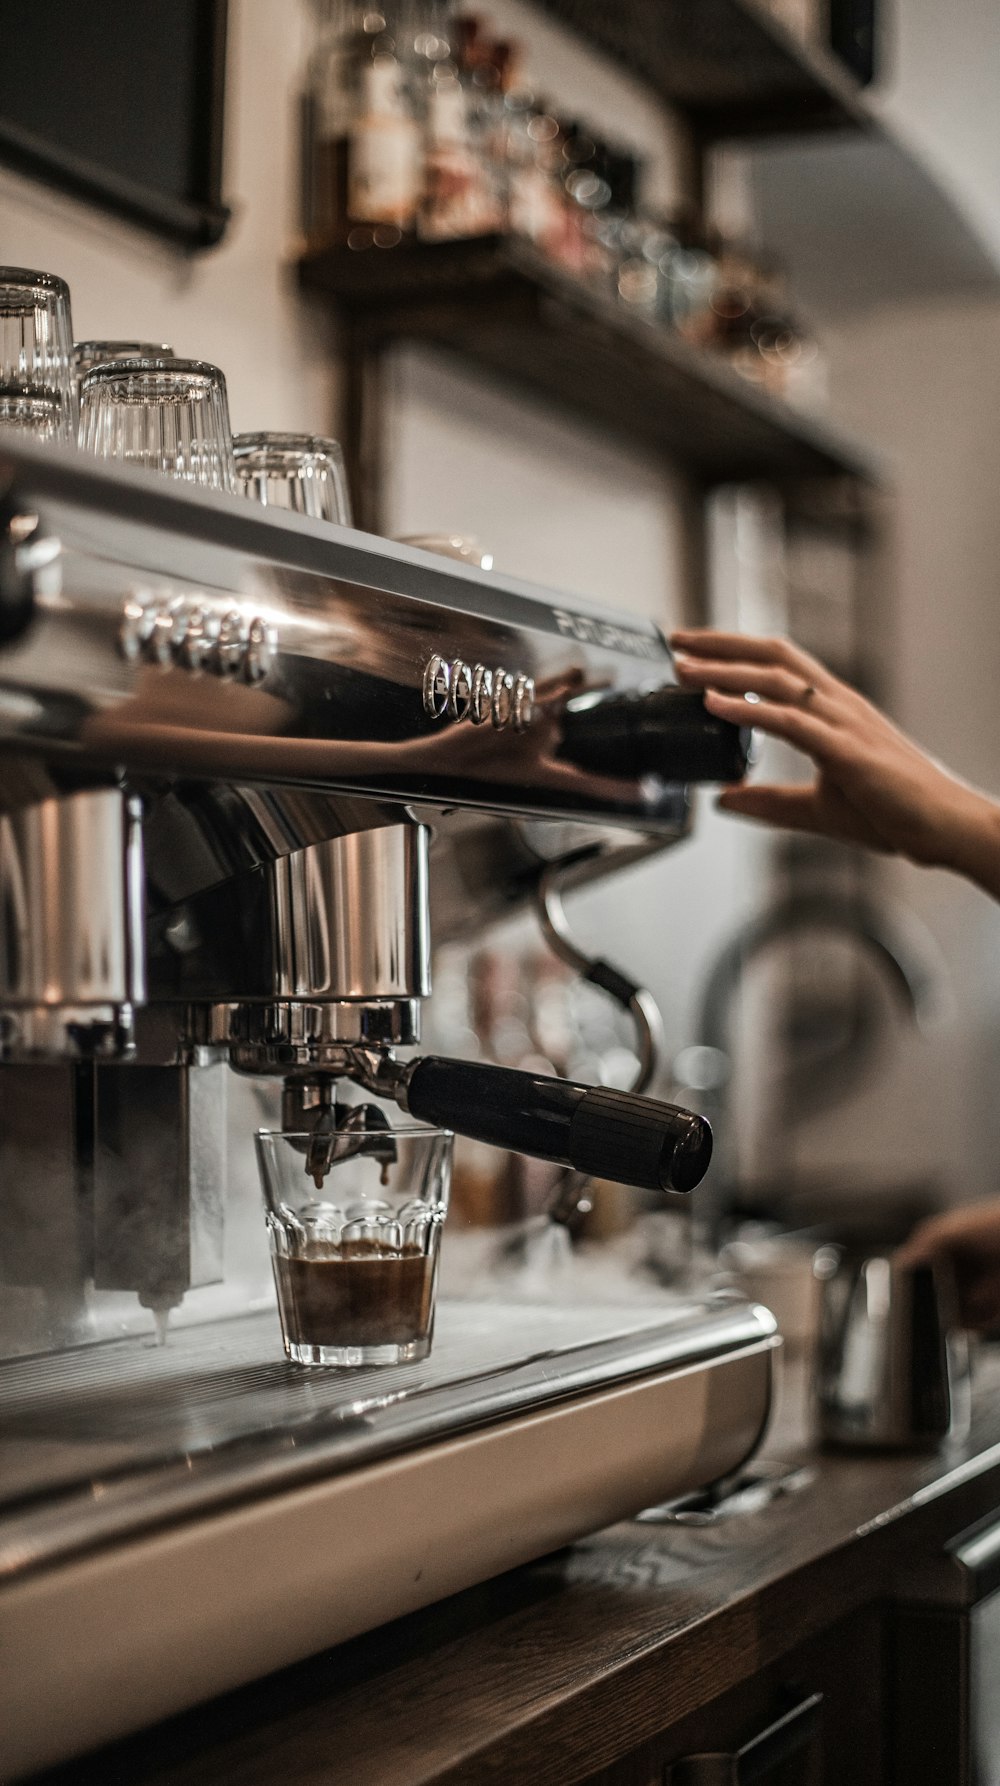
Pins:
x: 942, y: 74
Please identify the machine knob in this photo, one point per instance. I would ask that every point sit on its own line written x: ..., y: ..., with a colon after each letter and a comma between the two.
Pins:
x: 482, y: 695
x: 29, y: 567
x: 667, y: 732
x: 524, y: 703
x: 503, y: 698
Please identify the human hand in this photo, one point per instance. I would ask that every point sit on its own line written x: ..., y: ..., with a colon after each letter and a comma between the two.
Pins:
x: 968, y: 1240
x: 873, y: 785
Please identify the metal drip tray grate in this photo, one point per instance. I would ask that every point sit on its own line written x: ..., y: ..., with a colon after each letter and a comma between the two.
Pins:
x: 96, y: 1442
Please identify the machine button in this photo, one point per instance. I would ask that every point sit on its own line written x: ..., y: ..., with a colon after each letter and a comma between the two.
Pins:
x: 460, y: 696
x: 524, y: 702
x: 481, y: 705
x: 262, y: 646
x: 229, y: 650
x: 162, y: 640
x: 138, y: 620
x: 503, y: 698
x: 195, y: 636
x: 437, y: 687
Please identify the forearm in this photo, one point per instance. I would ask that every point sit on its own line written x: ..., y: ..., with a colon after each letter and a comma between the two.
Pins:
x: 973, y: 842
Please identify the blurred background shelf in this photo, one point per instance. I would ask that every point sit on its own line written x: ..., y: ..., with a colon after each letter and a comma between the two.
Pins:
x: 498, y: 304
x: 730, y: 66
x: 856, y: 211
x: 890, y: 229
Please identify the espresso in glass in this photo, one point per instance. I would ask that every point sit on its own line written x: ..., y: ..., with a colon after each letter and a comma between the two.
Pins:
x: 361, y: 1295
x: 355, y: 1229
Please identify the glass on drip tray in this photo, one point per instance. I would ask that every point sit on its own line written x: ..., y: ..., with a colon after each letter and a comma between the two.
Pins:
x: 354, y: 1214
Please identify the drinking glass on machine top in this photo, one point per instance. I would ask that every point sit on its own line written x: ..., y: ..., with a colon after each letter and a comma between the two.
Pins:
x: 165, y: 414
x: 87, y: 354
x: 301, y: 472
x: 37, y: 386
x: 354, y: 1217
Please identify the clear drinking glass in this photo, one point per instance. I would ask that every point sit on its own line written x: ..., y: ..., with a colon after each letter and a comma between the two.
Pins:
x: 355, y: 1226
x: 37, y: 387
x: 302, y: 472
x: 87, y: 354
x: 36, y: 412
x: 168, y: 415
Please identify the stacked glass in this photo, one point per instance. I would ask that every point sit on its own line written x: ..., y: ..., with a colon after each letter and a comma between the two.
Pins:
x: 301, y: 472
x: 164, y: 414
x: 37, y: 386
x: 87, y: 354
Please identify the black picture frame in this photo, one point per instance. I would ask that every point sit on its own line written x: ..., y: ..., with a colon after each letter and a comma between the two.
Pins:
x: 196, y: 221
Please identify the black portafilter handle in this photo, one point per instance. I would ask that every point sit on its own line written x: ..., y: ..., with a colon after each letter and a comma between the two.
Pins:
x: 606, y: 1134
x: 667, y: 732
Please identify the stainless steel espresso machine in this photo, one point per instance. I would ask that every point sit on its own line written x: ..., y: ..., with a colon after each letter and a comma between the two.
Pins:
x: 245, y: 762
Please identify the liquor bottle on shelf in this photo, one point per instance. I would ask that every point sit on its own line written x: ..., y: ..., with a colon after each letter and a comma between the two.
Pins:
x: 655, y: 271
x: 449, y: 196
x: 481, y: 75
x: 536, y: 205
x: 367, y: 156
x: 726, y: 325
x: 587, y: 192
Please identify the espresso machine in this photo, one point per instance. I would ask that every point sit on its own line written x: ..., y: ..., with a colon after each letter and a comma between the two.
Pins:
x: 249, y: 763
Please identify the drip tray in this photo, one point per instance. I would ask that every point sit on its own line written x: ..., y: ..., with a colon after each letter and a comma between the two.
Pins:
x: 193, y: 1516
x: 144, y: 1424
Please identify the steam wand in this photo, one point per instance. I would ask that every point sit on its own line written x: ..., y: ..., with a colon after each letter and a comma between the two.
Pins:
x: 572, y: 1201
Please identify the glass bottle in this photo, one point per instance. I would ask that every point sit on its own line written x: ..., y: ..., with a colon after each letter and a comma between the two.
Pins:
x: 535, y: 197
x: 365, y: 185
x: 448, y: 205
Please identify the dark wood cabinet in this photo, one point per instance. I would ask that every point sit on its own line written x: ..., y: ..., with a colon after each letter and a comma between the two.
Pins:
x: 945, y: 1665
x: 819, y: 1717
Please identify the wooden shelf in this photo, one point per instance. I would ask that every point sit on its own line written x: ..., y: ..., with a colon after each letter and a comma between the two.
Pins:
x: 499, y: 305
x: 729, y: 65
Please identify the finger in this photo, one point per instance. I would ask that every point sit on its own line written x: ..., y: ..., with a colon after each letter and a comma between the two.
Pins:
x: 747, y: 678
x: 979, y: 1304
x: 794, y: 808
x: 923, y: 1247
x: 745, y: 648
x: 797, y: 725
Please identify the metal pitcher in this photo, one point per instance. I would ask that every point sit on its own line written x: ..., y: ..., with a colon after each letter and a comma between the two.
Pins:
x: 892, y: 1369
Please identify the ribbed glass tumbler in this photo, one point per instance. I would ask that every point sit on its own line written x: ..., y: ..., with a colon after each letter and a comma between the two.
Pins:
x: 302, y: 472
x: 37, y: 386
x: 167, y: 415
x: 355, y: 1217
x: 87, y: 354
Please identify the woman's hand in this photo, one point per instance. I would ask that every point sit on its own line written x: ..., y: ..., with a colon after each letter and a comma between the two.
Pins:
x: 968, y: 1240
x: 873, y: 785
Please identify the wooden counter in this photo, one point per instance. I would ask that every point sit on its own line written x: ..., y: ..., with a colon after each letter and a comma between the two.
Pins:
x: 596, y: 1664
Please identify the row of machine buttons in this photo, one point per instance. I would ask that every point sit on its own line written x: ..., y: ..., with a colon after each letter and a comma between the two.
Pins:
x: 188, y: 632
x: 459, y: 691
